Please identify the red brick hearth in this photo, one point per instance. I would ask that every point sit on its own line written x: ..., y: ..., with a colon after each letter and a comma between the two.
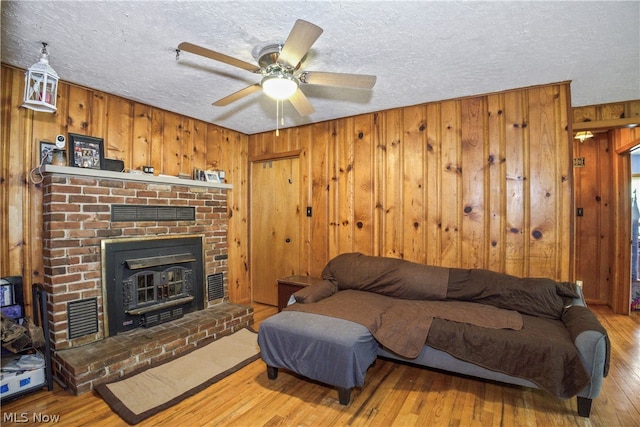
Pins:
x: 77, y: 217
x: 82, y: 368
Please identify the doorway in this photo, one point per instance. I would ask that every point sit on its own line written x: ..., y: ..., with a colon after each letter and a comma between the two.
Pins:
x: 624, y: 141
x: 275, y: 225
x: 603, y: 201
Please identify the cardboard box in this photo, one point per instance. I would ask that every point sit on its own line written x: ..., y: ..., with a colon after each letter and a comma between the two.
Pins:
x: 13, y: 382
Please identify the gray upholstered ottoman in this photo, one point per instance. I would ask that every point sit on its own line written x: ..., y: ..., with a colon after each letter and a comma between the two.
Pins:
x: 326, y: 349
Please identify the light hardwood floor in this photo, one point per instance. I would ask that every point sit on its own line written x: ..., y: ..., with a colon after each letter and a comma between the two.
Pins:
x: 394, y: 394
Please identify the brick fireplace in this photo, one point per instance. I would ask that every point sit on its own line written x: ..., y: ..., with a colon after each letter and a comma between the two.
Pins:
x: 82, y: 210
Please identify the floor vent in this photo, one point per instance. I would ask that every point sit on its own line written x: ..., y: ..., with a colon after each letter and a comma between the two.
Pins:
x: 158, y: 317
x: 120, y: 213
x: 215, y: 286
x: 83, y: 317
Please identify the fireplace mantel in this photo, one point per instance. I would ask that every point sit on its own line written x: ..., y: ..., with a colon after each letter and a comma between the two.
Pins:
x: 158, y: 179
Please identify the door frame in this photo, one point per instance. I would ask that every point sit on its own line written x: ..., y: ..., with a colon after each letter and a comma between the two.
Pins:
x: 621, y: 255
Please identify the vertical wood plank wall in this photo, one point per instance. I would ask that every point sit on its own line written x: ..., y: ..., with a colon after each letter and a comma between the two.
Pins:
x: 480, y: 182
x: 483, y: 181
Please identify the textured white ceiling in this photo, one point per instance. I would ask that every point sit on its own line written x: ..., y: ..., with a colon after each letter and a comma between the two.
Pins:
x: 421, y: 51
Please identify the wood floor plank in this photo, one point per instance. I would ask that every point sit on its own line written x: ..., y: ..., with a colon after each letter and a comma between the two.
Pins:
x: 393, y: 394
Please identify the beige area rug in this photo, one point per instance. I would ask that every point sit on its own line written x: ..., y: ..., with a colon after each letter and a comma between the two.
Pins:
x: 146, y: 393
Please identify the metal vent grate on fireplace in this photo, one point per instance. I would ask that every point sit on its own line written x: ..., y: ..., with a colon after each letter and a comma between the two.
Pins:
x: 83, y: 317
x: 215, y: 286
x: 152, y: 213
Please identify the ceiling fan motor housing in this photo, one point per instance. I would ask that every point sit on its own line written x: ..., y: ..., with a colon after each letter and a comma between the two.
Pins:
x: 268, y: 55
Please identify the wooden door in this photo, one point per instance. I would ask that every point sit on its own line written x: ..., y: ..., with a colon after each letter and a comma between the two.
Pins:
x: 275, y: 225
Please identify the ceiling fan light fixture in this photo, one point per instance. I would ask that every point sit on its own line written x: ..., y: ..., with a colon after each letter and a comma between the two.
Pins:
x: 279, y: 85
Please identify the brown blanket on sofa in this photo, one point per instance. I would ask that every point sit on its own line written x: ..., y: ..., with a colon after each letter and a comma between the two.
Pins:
x: 388, y: 276
x: 402, y: 325
x: 541, y: 352
x: 409, y: 280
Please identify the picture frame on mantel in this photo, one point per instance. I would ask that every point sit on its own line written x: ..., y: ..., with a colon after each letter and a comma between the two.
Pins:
x: 212, y: 176
x: 46, y: 152
x: 86, y: 151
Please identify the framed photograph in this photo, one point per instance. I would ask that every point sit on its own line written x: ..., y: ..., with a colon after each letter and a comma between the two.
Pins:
x: 199, y: 174
x: 46, y: 152
x: 86, y: 151
x: 212, y: 176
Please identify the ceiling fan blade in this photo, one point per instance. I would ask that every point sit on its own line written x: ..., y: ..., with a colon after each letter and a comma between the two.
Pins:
x: 202, y: 51
x: 302, y: 36
x: 358, y: 81
x: 301, y: 103
x: 237, y: 95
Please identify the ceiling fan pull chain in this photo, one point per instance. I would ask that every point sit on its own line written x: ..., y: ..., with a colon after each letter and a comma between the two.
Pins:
x: 281, y: 113
x: 277, y: 116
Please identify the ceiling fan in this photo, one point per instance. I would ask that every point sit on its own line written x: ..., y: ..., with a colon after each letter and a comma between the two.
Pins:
x: 279, y: 65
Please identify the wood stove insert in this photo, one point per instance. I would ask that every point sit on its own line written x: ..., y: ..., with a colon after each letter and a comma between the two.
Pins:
x: 152, y: 280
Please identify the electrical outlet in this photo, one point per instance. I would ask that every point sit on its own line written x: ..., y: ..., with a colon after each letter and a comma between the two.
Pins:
x: 579, y: 283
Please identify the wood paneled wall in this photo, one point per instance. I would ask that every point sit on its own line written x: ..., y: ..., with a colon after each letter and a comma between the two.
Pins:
x: 606, y: 115
x: 483, y: 181
x: 133, y: 132
x: 480, y: 182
